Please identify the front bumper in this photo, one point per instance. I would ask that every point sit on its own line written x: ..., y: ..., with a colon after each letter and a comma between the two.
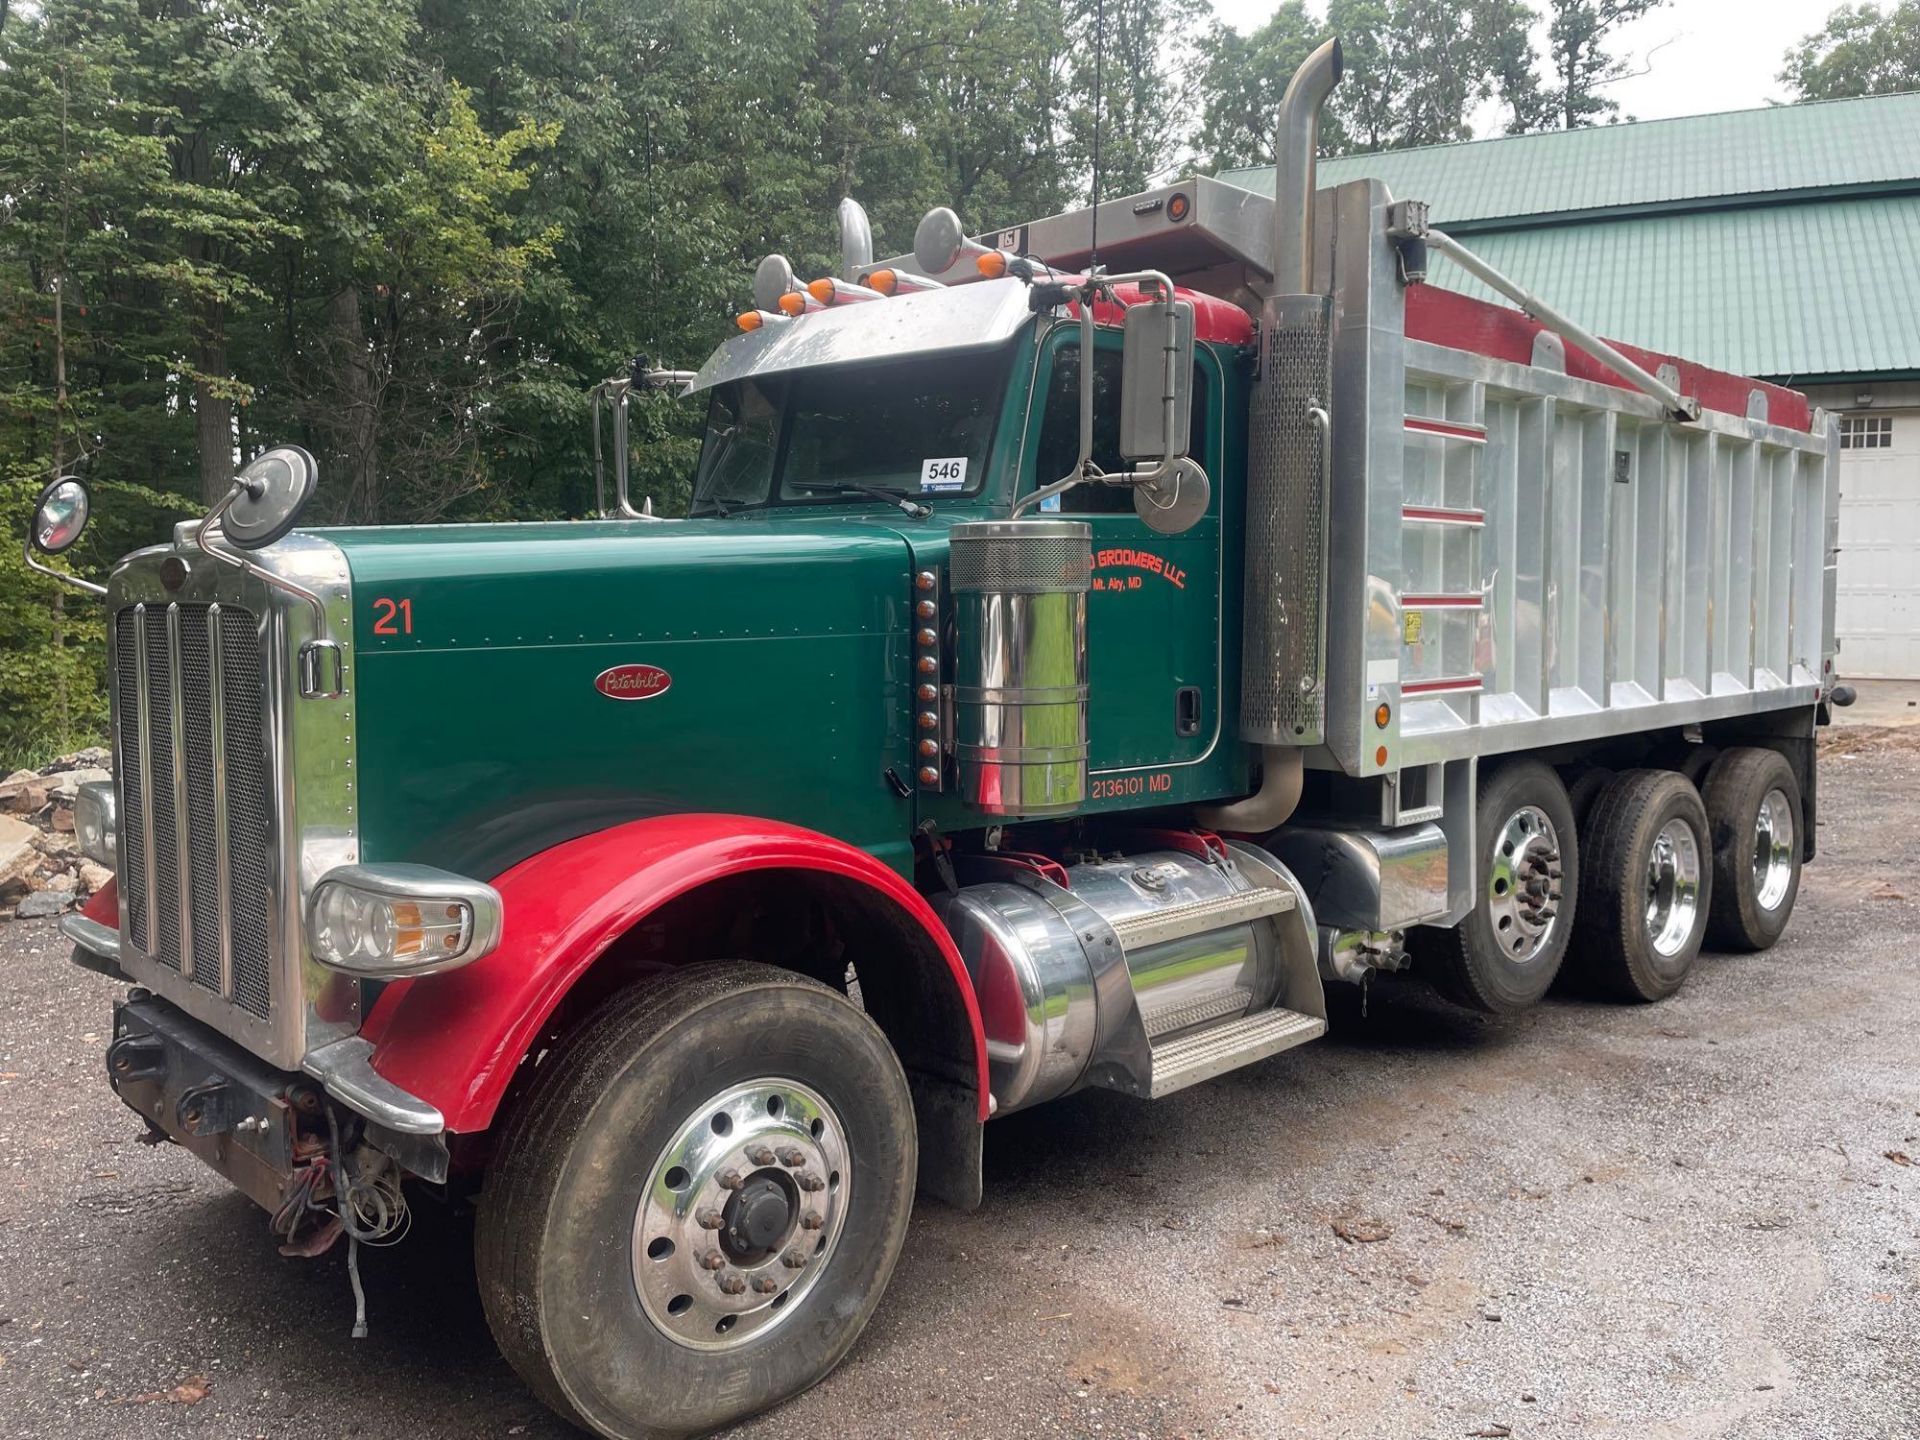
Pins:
x: 229, y: 1107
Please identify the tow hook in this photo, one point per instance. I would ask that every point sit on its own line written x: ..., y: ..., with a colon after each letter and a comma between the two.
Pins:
x: 205, y: 1109
x: 135, y: 1057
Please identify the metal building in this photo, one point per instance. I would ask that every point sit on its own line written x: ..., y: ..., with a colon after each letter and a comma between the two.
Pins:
x: 1781, y: 243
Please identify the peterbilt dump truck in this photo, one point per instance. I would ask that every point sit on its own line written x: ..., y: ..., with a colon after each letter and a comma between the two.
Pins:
x: 1089, y: 643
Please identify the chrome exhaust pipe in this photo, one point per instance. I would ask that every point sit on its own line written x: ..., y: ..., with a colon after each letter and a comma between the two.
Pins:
x: 1296, y: 167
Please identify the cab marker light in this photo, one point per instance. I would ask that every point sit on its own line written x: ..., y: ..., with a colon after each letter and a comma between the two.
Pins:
x: 796, y: 303
x: 388, y: 921
x: 831, y: 291
x: 898, y: 282
x: 991, y: 265
x: 751, y: 320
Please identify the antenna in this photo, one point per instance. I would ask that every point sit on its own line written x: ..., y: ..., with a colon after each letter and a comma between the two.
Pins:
x: 1099, y: 52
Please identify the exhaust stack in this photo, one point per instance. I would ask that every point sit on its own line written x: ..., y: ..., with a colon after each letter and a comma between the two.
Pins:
x: 1283, y: 657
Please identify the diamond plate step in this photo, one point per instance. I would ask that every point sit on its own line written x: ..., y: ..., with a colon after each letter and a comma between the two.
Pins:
x: 1176, y: 922
x: 1202, y: 1054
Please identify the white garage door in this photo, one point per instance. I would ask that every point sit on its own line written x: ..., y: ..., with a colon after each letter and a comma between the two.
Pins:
x: 1878, y: 615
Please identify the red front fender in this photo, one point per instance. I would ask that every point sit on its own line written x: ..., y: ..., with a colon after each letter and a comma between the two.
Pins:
x: 455, y: 1040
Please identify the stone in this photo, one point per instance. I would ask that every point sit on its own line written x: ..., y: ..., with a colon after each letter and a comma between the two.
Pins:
x: 55, y: 843
x: 13, y: 782
x: 61, y: 819
x: 93, y: 757
x: 62, y: 880
x: 39, y: 904
x: 67, y: 784
x: 29, y: 799
x: 94, y: 878
x: 18, y: 858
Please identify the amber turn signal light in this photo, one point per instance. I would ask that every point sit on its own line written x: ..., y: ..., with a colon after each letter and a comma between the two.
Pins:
x: 1382, y: 714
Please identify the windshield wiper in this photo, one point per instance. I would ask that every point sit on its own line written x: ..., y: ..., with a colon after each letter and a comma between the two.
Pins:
x: 854, y: 487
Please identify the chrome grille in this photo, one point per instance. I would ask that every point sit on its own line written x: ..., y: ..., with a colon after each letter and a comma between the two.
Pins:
x: 193, y: 779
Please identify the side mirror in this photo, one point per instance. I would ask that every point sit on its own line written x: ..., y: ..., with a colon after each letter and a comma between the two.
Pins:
x: 59, y: 516
x: 1156, y: 381
x: 268, y: 496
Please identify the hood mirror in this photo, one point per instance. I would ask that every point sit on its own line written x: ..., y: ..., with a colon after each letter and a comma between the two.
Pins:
x: 772, y: 279
x: 59, y: 516
x: 269, y: 495
x: 856, y: 240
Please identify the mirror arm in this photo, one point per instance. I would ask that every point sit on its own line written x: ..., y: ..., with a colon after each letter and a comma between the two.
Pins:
x: 26, y: 553
x: 264, y: 576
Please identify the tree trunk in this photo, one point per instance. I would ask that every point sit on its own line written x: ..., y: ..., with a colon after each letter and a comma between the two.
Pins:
x: 357, y: 416
x: 212, y: 413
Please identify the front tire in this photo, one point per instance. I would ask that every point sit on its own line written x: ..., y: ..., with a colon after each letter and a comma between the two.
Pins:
x: 696, y: 1206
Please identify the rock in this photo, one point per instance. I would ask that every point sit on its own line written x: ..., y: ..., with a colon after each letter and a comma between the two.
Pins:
x: 94, y: 757
x: 47, y: 842
x: 28, y: 799
x: 39, y: 904
x: 62, y: 819
x: 67, y: 784
x: 63, y: 880
x: 17, y: 855
x: 11, y: 786
x: 94, y: 878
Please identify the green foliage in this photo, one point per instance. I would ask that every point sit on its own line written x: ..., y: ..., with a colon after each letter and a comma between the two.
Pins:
x: 1861, y: 50
x: 1580, y: 63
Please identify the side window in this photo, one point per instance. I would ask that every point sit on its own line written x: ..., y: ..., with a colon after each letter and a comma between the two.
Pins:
x: 1059, y: 443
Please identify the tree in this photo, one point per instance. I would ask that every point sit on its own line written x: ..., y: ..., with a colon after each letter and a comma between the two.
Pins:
x: 1580, y: 63
x: 1131, y: 63
x: 1861, y: 50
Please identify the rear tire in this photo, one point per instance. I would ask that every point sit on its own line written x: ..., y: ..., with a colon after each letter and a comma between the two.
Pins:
x: 1753, y: 807
x: 1649, y: 880
x: 697, y: 1204
x: 1504, y: 955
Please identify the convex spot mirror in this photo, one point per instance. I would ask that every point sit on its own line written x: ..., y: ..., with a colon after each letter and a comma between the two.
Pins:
x: 1155, y: 397
x: 59, y: 516
x: 274, y: 488
x: 1174, y: 503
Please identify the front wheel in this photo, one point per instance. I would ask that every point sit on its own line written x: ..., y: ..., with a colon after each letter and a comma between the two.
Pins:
x: 698, y: 1203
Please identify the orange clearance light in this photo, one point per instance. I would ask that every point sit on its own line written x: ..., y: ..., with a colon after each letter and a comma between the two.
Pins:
x: 1382, y: 714
x: 750, y: 320
x: 1380, y: 756
x: 885, y: 281
x: 992, y: 265
x: 1177, y: 206
x: 821, y: 289
x: 794, y: 302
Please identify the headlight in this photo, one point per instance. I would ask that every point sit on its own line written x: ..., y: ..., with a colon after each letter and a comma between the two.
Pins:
x: 95, y: 824
x: 386, y: 921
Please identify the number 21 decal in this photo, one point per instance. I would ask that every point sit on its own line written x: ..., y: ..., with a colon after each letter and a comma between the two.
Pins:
x: 384, y: 613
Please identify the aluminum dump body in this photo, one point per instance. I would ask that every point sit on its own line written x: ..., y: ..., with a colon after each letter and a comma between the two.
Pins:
x: 1524, y: 551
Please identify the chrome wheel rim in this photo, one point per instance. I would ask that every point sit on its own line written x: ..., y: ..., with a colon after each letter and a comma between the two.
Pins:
x: 1773, y: 850
x: 1525, y: 885
x: 1673, y: 887
x: 741, y: 1214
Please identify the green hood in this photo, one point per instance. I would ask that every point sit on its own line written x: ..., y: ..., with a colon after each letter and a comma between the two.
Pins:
x: 484, y: 737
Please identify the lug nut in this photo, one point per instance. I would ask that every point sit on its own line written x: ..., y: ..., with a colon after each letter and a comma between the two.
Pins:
x: 812, y: 1220
x: 809, y: 1182
x: 793, y: 1259
x: 731, y: 1284
x: 729, y: 1180
x: 709, y: 1219
x: 765, y: 1284
x: 792, y: 1156
x: 760, y: 1155
x: 713, y: 1260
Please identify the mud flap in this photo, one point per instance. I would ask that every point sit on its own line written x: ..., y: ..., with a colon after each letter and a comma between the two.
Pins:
x: 948, y: 1119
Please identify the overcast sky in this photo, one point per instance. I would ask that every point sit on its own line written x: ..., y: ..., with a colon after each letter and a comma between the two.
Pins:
x: 1699, y: 55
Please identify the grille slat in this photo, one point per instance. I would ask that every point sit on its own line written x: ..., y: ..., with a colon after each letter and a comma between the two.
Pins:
x: 202, y: 664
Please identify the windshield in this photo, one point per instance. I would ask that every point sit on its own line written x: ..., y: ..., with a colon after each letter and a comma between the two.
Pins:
x: 920, y: 428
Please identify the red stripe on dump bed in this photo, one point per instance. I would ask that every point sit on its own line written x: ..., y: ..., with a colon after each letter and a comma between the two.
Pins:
x: 1420, y: 424
x: 1443, y: 317
x: 1437, y: 687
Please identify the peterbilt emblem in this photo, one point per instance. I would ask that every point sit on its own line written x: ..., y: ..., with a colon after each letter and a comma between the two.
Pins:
x: 632, y: 682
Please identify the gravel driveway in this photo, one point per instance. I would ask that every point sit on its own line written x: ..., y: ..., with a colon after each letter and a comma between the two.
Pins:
x: 1690, y: 1219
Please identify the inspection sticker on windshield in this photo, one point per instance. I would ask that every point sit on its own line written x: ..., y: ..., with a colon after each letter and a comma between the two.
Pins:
x: 941, y: 475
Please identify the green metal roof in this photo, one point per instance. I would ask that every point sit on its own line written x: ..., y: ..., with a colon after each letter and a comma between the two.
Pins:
x: 1697, y: 160
x: 1780, y: 243
x: 1788, y: 292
